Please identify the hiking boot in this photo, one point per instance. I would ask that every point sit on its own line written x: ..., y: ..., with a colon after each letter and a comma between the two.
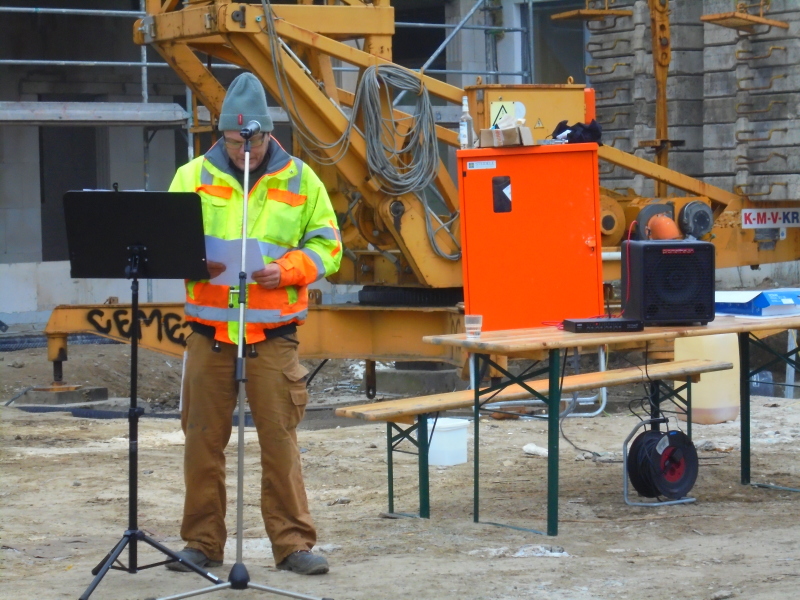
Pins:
x: 305, y: 563
x: 194, y: 556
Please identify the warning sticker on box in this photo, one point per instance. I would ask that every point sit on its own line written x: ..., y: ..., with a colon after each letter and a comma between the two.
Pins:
x: 481, y: 164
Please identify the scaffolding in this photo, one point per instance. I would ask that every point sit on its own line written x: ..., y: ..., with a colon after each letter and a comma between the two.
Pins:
x: 64, y: 113
x: 153, y: 117
x: 193, y: 119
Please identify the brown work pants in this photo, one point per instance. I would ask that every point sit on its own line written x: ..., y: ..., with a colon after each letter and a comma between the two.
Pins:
x: 277, y: 395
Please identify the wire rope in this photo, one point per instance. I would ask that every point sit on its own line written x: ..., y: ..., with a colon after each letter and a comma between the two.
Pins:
x: 400, y: 162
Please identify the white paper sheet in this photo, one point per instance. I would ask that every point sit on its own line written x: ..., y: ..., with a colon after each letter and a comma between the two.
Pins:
x: 758, y: 317
x: 229, y: 253
x: 738, y: 297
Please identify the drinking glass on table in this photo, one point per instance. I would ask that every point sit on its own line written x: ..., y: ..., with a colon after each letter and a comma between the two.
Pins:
x: 472, y: 325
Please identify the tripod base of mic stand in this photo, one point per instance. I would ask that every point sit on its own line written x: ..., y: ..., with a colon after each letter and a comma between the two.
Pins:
x: 239, y: 579
x: 131, y: 537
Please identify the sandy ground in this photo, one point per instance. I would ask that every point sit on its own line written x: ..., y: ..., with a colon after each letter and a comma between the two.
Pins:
x: 159, y: 375
x: 64, y: 504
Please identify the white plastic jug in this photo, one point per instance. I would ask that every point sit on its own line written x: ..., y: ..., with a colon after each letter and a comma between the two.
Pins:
x: 715, y: 398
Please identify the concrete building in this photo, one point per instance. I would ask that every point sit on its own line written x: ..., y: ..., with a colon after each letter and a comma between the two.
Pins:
x: 733, y: 99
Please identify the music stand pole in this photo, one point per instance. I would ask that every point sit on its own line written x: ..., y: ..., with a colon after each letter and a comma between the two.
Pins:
x: 135, y: 268
x: 239, y: 578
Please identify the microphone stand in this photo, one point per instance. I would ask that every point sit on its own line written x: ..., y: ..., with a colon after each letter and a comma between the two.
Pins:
x: 239, y: 578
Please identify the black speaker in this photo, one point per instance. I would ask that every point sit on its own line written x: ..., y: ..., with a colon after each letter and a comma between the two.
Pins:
x: 668, y: 282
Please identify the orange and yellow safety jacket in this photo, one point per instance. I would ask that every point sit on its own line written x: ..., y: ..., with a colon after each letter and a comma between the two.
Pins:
x: 290, y: 215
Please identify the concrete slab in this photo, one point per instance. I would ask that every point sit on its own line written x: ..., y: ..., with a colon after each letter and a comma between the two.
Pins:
x: 116, y: 405
x: 71, y: 395
x: 418, y: 382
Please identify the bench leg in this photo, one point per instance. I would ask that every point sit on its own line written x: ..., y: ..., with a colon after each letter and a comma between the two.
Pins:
x: 659, y: 393
x: 655, y: 408
x: 689, y: 408
x: 424, y: 481
x: 656, y: 399
x: 422, y: 445
x: 390, y: 466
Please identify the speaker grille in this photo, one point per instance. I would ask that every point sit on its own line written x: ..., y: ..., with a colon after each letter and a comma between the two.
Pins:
x: 671, y: 282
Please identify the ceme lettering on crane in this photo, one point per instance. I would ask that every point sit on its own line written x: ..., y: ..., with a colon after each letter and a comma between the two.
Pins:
x: 770, y: 217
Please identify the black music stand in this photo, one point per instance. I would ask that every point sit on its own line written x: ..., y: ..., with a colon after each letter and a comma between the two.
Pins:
x: 133, y: 235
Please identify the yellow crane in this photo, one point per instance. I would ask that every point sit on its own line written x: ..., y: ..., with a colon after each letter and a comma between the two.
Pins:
x: 393, y: 238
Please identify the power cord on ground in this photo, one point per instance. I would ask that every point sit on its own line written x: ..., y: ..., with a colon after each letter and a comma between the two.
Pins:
x: 570, y: 407
x: 18, y: 394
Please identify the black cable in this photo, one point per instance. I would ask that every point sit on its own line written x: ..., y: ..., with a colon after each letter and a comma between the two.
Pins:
x: 561, y: 428
x: 18, y: 394
x: 645, y: 466
x: 633, y: 364
x: 630, y: 407
x: 315, y: 371
x: 650, y: 381
x: 671, y: 399
x: 568, y: 410
x: 640, y: 399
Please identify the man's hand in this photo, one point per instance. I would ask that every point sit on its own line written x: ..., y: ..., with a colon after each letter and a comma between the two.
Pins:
x: 215, y: 269
x: 269, y: 277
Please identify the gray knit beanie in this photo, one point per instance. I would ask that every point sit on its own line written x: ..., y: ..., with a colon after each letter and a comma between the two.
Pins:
x: 245, y: 102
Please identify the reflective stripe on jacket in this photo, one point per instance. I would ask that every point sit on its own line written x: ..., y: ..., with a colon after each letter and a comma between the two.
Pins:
x: 290, y: 215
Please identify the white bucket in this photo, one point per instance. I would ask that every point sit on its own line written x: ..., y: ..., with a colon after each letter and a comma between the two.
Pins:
x: 448, y: 444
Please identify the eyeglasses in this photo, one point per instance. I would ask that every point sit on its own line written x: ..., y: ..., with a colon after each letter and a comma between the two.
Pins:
x: 255, y: 142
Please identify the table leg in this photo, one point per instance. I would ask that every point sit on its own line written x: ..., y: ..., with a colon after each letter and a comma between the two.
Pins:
x: 554, y: 397
x: 790, y: 358
x: 744, y: 400
x: 476, y: 385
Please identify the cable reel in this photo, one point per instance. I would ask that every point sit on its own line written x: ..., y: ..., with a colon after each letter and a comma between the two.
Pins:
x: 663, y: 464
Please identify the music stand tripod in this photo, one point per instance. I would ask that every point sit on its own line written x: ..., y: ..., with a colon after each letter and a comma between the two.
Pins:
x: 239, y: 578
x: 133, y: 235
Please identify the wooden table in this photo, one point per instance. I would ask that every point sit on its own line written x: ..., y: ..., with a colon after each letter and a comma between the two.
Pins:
x: 521, y: 343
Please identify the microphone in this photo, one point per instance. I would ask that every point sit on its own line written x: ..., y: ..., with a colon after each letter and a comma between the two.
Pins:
x: 249, y: 130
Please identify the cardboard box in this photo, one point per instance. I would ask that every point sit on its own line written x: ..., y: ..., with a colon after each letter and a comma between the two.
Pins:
x: 517, y: 136
x: 756, y: 303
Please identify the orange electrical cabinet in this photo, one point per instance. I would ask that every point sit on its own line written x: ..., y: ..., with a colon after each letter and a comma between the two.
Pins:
x: 530, y: 234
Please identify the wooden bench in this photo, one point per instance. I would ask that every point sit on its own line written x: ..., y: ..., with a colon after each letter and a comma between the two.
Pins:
x: 415, y: 411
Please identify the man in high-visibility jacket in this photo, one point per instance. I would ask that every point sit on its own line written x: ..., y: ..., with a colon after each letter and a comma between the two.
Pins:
x: 291, y: 216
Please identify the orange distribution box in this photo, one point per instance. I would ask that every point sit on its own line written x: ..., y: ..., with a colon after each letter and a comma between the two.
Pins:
x: 530, y: 234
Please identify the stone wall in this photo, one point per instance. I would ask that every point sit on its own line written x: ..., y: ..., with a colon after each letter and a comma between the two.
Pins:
x: 732, y: 97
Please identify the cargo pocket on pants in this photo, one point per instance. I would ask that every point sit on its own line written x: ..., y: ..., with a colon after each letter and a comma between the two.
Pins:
x: 297, y: 375
x: 299, y: 397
